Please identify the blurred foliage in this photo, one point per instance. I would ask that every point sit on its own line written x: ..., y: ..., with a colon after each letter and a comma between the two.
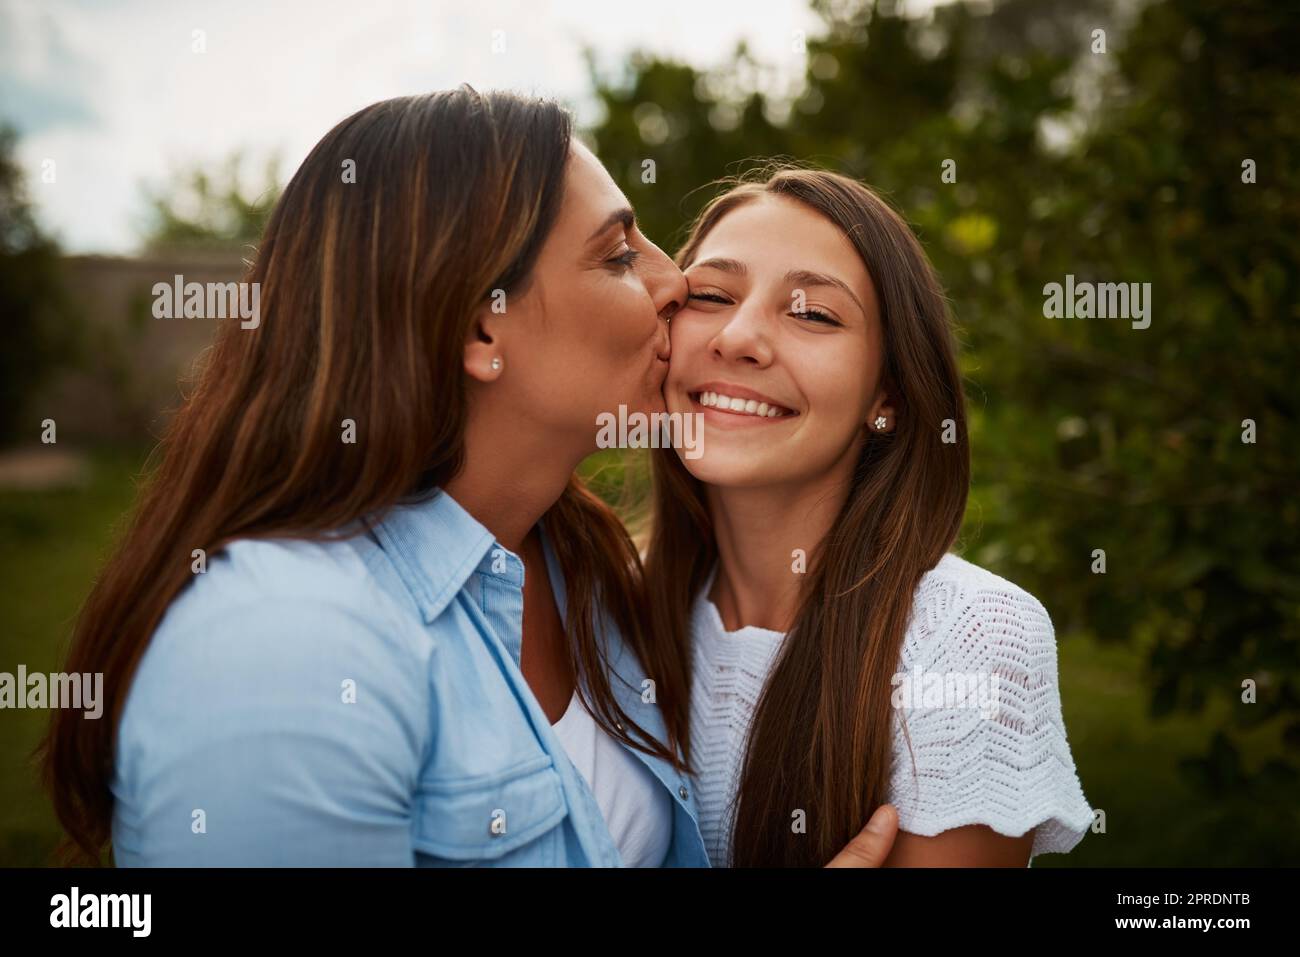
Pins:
x: 40, y: 327
x: 1116, y: 166
x: 211, y: 208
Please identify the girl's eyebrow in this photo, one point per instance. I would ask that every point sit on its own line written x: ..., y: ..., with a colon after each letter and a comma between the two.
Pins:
x: 725, y: 265
x: 806, y: 277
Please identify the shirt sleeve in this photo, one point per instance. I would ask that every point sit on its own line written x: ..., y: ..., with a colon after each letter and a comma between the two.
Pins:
x: 275, y: 733
x: 979, y: 737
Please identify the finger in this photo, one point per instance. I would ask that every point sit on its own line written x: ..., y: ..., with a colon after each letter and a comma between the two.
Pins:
x: 872, y: 844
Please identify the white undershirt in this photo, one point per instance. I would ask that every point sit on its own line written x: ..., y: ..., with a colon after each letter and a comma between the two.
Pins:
x: 637, y: 808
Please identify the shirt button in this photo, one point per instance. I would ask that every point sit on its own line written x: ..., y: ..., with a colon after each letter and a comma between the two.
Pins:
x: 684, y: 793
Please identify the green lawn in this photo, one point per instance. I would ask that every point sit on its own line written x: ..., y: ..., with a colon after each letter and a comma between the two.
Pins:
x: 1129, y: 768
x: 51, y: 544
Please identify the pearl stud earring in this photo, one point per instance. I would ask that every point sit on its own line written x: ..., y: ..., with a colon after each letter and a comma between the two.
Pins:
x: 880, y: 423
x: 496, y: 363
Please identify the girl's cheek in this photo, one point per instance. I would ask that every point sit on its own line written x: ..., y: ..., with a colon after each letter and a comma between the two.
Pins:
x: 682, y: 335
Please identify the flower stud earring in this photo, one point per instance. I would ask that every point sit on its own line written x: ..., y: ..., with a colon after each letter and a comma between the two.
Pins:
x: 880, y: 423
x: 496, y: 363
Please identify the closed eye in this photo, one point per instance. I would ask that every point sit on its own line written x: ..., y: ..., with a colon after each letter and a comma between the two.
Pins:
x: 709, y: 297
x: 626, y: 259
x: 815, y: 316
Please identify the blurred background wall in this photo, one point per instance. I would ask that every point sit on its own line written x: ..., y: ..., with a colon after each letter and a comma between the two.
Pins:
x: 131, y: 382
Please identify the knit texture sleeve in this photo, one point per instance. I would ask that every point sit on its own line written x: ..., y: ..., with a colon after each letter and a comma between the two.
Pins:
x: 978, y: 732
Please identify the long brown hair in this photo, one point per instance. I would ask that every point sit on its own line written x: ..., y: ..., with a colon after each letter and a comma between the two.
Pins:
x: 368, y: 286
x: 821, y: 734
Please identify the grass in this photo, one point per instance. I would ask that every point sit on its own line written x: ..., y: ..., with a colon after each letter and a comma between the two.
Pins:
x: 52, y: 542
x: 1128, y: 764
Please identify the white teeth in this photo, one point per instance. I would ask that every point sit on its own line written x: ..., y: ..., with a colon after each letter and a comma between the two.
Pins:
x: 716, y: 400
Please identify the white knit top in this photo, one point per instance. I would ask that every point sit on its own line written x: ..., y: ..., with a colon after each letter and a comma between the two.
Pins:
x: 997, y: 757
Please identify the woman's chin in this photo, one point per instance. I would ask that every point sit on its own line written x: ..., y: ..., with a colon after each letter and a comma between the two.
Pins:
x: 653, y: 403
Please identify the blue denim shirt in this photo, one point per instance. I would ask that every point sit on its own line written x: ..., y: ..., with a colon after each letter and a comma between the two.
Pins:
x: 359, y: 701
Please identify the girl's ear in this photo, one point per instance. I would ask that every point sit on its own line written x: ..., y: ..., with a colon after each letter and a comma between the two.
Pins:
x: 883, y: 416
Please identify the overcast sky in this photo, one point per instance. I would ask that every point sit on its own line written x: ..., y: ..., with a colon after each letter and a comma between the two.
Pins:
x: 114, y: 93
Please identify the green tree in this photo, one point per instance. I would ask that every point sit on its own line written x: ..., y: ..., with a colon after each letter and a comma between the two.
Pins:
x: 210, y: 208
x: 40, y: 327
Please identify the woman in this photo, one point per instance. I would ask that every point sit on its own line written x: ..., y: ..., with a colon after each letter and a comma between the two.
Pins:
x: 318, y: 642
x: 803, y: 558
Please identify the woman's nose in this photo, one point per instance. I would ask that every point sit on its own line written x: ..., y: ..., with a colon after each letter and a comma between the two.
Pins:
x: 664, y: 281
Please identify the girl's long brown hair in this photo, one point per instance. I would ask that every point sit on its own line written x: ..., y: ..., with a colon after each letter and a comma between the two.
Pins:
x: 821, y: 735
x: 368, y: 286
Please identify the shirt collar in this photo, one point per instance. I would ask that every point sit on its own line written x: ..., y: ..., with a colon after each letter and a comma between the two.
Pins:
x: 435, y: 545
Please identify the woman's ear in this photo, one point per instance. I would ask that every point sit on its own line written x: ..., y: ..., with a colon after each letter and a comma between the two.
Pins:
x: 484, y: 360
